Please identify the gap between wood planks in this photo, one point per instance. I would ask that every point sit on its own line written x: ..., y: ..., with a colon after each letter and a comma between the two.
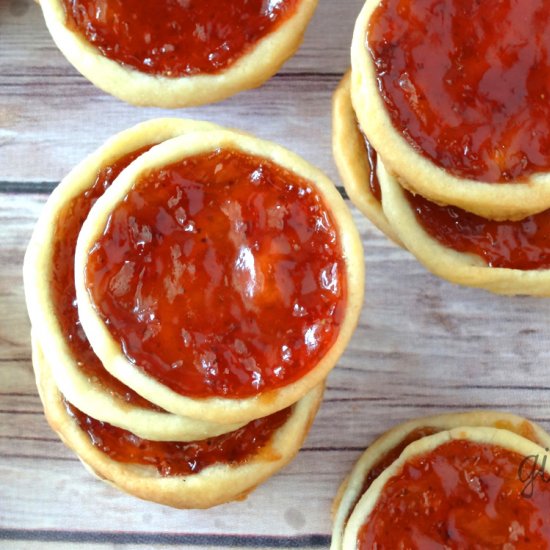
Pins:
x: 210, y: 541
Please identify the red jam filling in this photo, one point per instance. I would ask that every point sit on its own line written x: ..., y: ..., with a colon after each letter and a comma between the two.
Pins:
x: 68, y: 226
x: 388, y: 459
x: 525, y: 429
x: 372, y: 159
x: 180, y: 458
x: 466, y: 82
x: 176, y: 37
x: 221, y: 275
x: 393, y: 454
x: 463, y: 495
x: 523, y: 244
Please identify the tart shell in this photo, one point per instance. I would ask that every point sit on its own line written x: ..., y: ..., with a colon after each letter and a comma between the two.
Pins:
x: 252, y: 69
x: 482, y: 435
x: 499, y: 201
x: 218, y: 409
x: 350, y: 490
x: 214, y: 485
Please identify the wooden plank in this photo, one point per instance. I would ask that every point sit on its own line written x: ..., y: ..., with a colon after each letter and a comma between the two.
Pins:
x: 69, y: 497
x: 18, y: 214
x: 286, y: 110
x: 156, y: 541
x: 451, y: 323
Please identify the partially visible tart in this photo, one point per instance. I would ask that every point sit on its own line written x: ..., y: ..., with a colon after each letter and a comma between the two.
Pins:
x: 177, y: 54
x: 383, y: 452
x: 463, y: 488
x: 455, y: 106
x: 51, y: 295
x: 356, y: 159
x: 219, y: 277
x: 195, y: 474
x: 506, y: 257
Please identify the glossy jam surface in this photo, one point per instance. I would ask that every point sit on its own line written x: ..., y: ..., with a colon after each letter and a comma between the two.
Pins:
x: 466, y: 82
x: 393, y: 454
x: 176, y: 37
x: 181, y: 458
x: 221, y: 275
x: 68, y: 226
x: 462, y: 495
x: 387, y: 459
x: 523, y: 244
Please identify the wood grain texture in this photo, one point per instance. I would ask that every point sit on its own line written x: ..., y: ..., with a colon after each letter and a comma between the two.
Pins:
x: 422, y: 346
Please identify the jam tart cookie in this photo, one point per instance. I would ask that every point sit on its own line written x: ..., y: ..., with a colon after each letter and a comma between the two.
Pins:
x: 387, y: 449
x: 467, y: 488
x: 177, y: 54
x: 453, y: 117
x: 51, y: 295
x: 196, y: 474
x: 356, y: 159
x: 220, y: 277
x: 475, y: 471
x: 505, y: 257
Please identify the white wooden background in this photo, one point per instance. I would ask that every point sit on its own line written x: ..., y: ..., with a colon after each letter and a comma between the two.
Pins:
x: 423, y: 346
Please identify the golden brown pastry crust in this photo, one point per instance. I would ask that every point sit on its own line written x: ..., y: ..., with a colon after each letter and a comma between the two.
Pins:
x: 351, y: 158
x: 212, y: 486
x: 498, y: 201
x: 133, y: 86
x: 483, y: 435
x: 351, y: 489
x: 457, y: 267
x: 218, y: 409
x: 89, y: 395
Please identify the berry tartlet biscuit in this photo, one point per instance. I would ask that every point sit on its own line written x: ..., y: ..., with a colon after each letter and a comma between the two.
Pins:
x: 458, y: 108
x: 189, y: 289
x: 182, y: 474
x: 506, y: 257
x: 457, y: 480
x: 220, y: 276
x: 172, y: 53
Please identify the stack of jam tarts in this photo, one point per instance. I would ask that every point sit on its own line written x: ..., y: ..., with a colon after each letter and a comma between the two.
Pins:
x: 442, y: 138
x: 189, y: 289
x: 177, y: 53
x: 466, y: 480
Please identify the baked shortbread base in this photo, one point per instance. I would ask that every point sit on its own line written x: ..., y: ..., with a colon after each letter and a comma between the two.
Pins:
x: 218, y: 409
x: 212, y: 486
x: 351, y: 489
x: 88, y: 395
x: 457, y: 267
x: 133, y: 86
x: 499, y: 201
x: 483, y: 435
x: 351, y: 159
